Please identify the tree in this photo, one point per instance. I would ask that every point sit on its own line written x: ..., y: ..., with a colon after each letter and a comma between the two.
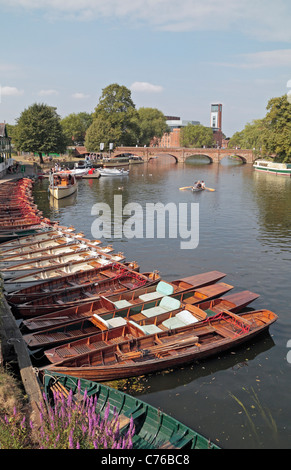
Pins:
x: 117, y: 110
x: 152, y: 123
x: 196, y: 136
x: 251, y: 137
x: 278, y: 128
x: 100, y: 132
x: 39, y: 130
x: 75, y: 127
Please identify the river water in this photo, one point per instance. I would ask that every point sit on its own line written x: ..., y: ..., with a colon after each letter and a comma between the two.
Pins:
x: 240, y: 399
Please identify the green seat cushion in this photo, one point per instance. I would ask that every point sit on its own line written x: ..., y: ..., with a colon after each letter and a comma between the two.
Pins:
x: 165, y: 288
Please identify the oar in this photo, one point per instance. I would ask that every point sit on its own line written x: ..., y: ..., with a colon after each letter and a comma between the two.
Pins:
x: 186, y: 187
x: 210, y: 189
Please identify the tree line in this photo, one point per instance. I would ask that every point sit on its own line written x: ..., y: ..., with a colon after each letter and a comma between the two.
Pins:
x: 270, y: 136
x: 40, y: 129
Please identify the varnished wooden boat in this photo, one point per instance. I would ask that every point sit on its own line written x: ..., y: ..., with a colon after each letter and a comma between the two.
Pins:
x: 82, y: 261
x: 51, y: 337
x: 47, y: 248
x: 46, y: 234
x: 83, y: 293
x: 7, y: 235
x: 154, y: 429
x: 125, y: 299
x: 135, y: 356
x: 149, y: 292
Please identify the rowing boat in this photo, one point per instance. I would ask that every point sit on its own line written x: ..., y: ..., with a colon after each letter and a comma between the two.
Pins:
x: 84, y: 326
x: 143, y: 294
x: 47, y: 234
x: 35, y: 250
x: 138, y: 355
x: 122, y: 300
x: 154, y: 429
x: 62, y: 248
x: 81, y: 262
x: 83, y: 293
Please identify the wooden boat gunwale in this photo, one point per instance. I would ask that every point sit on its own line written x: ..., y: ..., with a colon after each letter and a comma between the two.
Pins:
x: 160, y: 431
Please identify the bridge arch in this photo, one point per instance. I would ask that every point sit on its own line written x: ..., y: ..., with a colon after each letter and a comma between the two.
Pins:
x: 234, y: 155
x: 210, y: 159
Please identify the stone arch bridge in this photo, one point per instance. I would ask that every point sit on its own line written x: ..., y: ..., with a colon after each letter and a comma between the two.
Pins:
x: 182, y: 153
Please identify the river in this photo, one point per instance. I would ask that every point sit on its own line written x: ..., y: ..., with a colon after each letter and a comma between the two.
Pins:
x: 241, y: 398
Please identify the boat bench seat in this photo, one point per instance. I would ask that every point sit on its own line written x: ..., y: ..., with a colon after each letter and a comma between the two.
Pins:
x: 167, y: 304
x: 182, y: 318
x: 113, y: 322
x: 122, y: 304
x: 146, y: 329
x: 162, y: 289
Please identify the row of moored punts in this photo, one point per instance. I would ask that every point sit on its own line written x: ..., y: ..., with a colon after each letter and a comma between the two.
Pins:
x: 95, y: 317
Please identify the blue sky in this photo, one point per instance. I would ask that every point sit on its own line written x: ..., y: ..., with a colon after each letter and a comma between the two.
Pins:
x: 178, y: 57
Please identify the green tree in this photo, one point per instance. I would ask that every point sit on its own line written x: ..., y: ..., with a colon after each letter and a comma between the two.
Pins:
x: 196, y: 136
x: 75, y: 127
x: 117, y: 111
x: 99, y: 132
x: 277, y: 135
x: 39, y: 130
x: 152, y: 123
x: 251, y: 137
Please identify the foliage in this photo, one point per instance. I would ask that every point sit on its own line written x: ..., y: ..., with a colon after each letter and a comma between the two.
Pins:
x: 152, y: 123
x: 270, y: 135
x: 75, y: 126
x: 115, y: 114
x: 39, y: 130
x: 70, y: 423
x: 251, y: 137
x: 278, y: 124
x: 196, y: 136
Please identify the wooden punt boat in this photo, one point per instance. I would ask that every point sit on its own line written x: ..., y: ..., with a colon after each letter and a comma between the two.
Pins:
x: 47, y: 234
x: 50, y: 252
x: 81, y: 294
x: 60, y: 260
x: 11, y: 234
x: 128, y: 299
x: 83, y: 262
x: 16, y: 253
x: 79, y: 329
x: 154, y: 429
x: 135, y: 356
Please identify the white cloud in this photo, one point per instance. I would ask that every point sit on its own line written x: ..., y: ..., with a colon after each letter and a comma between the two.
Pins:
x: 80, y: 96
x: 47, y: 92
x: 10, y: 91
x: 267, y: 20
x: 146, y: 87
x: 276, y: 58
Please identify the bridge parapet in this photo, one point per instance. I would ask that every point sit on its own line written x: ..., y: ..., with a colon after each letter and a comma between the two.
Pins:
x: 182, y: 153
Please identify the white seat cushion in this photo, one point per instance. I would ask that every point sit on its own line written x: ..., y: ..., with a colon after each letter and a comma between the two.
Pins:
x: 116, y: 321
x: 122, y: 304
x: 186, y: 317
x: 150, y: 296
x: 152, y: 312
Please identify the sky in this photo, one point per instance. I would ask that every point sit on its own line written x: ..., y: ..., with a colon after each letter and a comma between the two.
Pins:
x: 176, y: 56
